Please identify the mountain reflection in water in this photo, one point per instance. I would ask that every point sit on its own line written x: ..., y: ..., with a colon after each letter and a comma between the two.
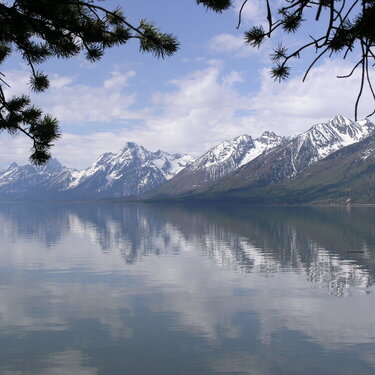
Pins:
x: 89, y: 288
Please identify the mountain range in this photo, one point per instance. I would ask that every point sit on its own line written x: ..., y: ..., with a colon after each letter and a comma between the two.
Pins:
x: 132, y: 171
x: 332, y: 162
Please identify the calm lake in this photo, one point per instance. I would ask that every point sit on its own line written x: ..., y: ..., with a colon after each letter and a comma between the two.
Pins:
x: 113, y: 288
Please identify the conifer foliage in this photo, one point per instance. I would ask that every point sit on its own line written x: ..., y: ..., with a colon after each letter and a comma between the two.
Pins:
x: 347, y: 27
x: 42, y: 29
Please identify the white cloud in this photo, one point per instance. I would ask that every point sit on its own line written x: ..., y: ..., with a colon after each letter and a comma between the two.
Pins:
x: 254, y: 11
x: 59, y: 82
x: 207, y: 107
x: 293, y: 105
x: 76, y: 103
x: 231, y: 45
x: 13, y: 148
x: 196, y: 111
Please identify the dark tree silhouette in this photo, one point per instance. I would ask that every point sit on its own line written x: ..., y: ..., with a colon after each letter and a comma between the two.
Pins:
x: 42, y: 29
x: 345, y: 27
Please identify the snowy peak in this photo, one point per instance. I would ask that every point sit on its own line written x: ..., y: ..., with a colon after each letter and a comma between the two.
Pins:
x: 129, y: 153
x: 267, y: 159
x: 133, y: 170
x: 263, y: 144
x: 33, y: 179
x: 345, y: 129
x: 232, y: 154
x: 241, y: 139
x: 221, y: 160
x: 170, y: 164
x: 103, y: 159
x: 325, y: 138
x: 53, y: 166
x: 11, y: 167
x: 303, y: 150
x: 226, y: 152
x: 270, y: 138
x: 340, y: 120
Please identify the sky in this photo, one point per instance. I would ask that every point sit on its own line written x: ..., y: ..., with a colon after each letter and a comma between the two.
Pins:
x: 214, y: 88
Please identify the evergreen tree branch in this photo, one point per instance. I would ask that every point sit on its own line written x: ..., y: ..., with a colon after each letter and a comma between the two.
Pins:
x: 41, y: 29
x: 347, y: 26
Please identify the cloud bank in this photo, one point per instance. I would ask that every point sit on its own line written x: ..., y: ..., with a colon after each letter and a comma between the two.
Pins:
x: 192, y: 113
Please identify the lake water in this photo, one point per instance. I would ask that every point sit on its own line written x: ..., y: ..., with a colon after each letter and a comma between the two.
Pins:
x: 111, y: 288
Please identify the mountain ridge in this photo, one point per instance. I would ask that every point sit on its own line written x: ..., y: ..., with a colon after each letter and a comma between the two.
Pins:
x: 347, y: 176
x: 221, y: 160
x: 286, y: 160
x: 238, y: 164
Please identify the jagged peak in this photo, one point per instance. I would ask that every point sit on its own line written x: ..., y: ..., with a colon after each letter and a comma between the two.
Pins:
x: 52, y: 166
x: 341, y: 126
x: 159, y: 152
x: 104, y: 158
x: 12, y: 166
x: 269, y: 135
x: 340, y: 119
x: 128, y: 145
x: 53, y: 161
x: 132, y: 148
x: 242, y: 137
x: 337, y: 123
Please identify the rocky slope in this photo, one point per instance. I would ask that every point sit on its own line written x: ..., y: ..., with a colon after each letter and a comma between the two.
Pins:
x: 220, y: 161
x: 347, y: 176
x: 286, y: 161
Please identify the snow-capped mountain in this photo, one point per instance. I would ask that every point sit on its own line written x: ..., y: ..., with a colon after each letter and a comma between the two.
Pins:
x: 292, y: 158
x: 132, y: 171
x: 323, y: 139
x: 346, y: 176
x: 280, y: 160
x: 307, y: 148
x: 239, y: 163
x: 222, y: 160
x: 33, y: 180
x: 230, y: 155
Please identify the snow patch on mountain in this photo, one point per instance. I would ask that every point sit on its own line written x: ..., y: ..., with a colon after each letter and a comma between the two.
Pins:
x: 232, y: 154
x: 28, y: 178
x: 266, y: 142
x: 133, y: 170
x: 323, y: 139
